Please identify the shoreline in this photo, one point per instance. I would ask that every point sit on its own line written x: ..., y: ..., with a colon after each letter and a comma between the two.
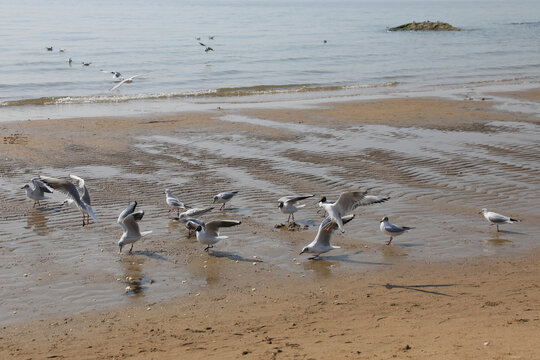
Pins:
x: 419, y: 151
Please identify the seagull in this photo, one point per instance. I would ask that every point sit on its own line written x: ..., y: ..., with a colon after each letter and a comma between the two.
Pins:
x: 173, y: 202
x: 211, y: 37
x: 70, y: 61
x: 321, y: 244
x: 38, y: 192
x: 391, y: 229
x: 322, y: 202
x: 347, y: 202
x: 192, y: 213
x: 128, y: 80
x: 115, y: 74
x: 86, y: 63
x: 191, y: 224
x: 496, y: 219
x: 223, y: 198
x: 287, y: 204
x: 207, y: 48
x: 85, y: 196
x: 68, y: 188
x: 208, y: 234
x: 49, y: 48
x: 61, y: 50
x: 128, y: 220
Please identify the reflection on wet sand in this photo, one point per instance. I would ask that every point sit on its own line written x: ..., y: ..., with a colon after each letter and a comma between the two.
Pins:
x: 134, y: 279
x: 37, y: 221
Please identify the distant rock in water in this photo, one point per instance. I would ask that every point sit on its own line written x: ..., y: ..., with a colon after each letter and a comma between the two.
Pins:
x: 425, y: 26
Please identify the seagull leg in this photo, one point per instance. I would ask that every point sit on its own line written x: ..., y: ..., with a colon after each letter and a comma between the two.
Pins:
x: 389, y: 241
x: 35, y: 202
x: 292, y: 217
x: 289, y: 218
x: 316, y: 257
x: 131, y: 249
x: 497, y: 227
x: 83, y: 223
x: 222, y: 207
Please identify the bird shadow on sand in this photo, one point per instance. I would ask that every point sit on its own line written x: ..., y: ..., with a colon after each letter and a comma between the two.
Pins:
x: 152, y: 255
x: 510, y: 232
x: 231, y: 256
x: 421, y: 288
x: 407, y: 245
x: 55, y: 208
x: 345, y: 258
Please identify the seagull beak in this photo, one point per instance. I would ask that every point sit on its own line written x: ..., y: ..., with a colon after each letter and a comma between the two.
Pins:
x: 303, y: 251
x: 23, y: 187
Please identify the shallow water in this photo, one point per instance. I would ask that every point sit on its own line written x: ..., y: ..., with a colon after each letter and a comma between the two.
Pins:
x: 437, y: 180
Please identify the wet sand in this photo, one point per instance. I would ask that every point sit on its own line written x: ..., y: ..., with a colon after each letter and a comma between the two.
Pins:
x: 444, y: 289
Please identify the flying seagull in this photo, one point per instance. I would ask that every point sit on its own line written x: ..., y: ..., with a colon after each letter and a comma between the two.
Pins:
x: 128, y: 80
x: 321, y: 244
x: 128, y: 220
x: 207, y: 48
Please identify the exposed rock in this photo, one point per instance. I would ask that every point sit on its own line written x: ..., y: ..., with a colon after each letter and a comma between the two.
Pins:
x: 425, y: 26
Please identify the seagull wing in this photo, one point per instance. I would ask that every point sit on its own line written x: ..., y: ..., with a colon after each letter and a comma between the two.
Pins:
x: 497, y: 218
x: 372, y: 199
x: 324, y: 236
x: 193, y: 224
x: 130, y: 223
x: 202, y: 44
x: 293, y: 198
x: 119, y: 84
x: 127, y: 211
x: 82, y: 189
x: 212, y: 228
x: 348, y: 201
x: 39, y: 184
x: 63, y: 186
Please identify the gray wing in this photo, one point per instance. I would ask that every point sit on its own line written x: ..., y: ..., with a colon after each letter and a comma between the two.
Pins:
x: 293, y: 198
x: 348, y: 201
x: 174, y: 201
x: 227, y: 196
x: 63, y: 186
x: 372, y: 199
x: 212, y: 227
x: 324, y: 236
x: 127, y: 211
x: 392, y: 228
x: 39, y: 184
x: 83, y: 190
x: 130, y: 223
x: 497, y: 218
x: 195, y: 212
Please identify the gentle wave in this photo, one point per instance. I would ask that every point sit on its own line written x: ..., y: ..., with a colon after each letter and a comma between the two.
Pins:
x: 221, y: 92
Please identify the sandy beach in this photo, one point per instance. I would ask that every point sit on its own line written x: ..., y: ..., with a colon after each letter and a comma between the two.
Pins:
x: 451, y: 288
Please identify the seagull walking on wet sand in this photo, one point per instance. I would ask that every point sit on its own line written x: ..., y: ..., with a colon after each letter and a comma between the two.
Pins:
x: 287, y: 204
x: 393, y: 230
x: 74, y: 197
x: 346, y: 203
x: 321, y: 244
x: 173, y: 202
x: 208, y: 233
x: 496, y: 219
x: 128, y: 220
x: 223, y: 198
x: 37, y: 192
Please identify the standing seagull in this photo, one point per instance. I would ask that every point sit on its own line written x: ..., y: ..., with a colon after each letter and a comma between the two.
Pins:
x: 496, y: 219
x: 208, y: 234
x: 173, y: 202
x: 347, y: 202
x: 223, y: 198
x: 287, y: 204
x: 68, y: 188
x: 38, y: 192
x: 207, y: 48
x: 321, y: 244
x: 391, y: 229
x: 128, y: 80
x: 128, y: 220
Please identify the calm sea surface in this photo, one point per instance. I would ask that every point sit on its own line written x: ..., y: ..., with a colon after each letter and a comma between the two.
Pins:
x: 260, y: 47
